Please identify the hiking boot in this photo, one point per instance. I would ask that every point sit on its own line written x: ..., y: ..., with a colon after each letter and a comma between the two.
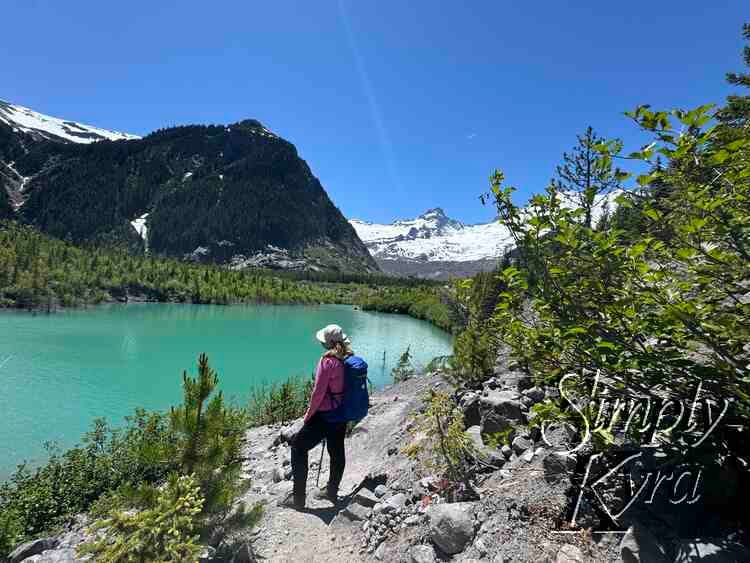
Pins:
x: 292, y: 501
x: 324, y: 494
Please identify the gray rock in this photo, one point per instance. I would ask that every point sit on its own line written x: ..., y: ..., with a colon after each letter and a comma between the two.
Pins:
x: 492, y: 383
x: 470, y: 406
x: 638, y: 545
x: 536, y: 394
x: 558, y: 465
x: 493, y: 457
x: 569, y: 553
x: 365, y: 497
x: 395, y: 503
x: 281, y: 489
x: 381, y: 491
x: 422, y: 554
x: 34, y: 547
x: 412, y: 520
x: 521, y: 444
x: 278, y: 475
x: 514, y: 380
x: 355, y: 512
x: 66, y: 555
x: 506, y: 451
x: 481, y: 547
x: 560, y: 437
x: 451, y: 527
x: 500, y: 409
x: 244, y: 554
x: 475, y: 433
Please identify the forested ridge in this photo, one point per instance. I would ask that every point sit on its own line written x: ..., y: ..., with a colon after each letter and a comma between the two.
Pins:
x: 37, y: 271
x: 227, y: 192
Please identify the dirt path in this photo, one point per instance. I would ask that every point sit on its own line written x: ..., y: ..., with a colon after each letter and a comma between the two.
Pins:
x: 323, y: 532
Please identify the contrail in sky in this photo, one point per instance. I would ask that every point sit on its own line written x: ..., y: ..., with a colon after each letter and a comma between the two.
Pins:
x: 377, y: 118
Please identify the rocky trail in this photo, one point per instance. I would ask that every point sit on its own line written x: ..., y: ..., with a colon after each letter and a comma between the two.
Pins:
x: 393, y: 510
x: 323, y: 532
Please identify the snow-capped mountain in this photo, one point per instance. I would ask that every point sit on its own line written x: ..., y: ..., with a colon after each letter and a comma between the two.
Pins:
x: 434, y: 245
x: 53, y: 128
x: 433, y: 237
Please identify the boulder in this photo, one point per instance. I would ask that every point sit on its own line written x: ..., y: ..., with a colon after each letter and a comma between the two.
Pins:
x: 535, y: 394
x: 395, y: 503
x: 422, y: 554
x: 475, y: 433
x: 506, y: 451
x: 569, y: 553
x: 520, y: 444
x: 355, y: 512
x: 560, y: 437
x: 65, y: 555
x: 558, y: 465
x: 470, y: 406
x: 365, y: 497
x: 638, y: 545
x: 514, y: 380
x: 34, y: 547
x: 381, y: 491
x: 451, y: 527
x: 500, y: 410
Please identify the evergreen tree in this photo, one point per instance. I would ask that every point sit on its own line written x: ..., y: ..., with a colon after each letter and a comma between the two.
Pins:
x: 586, y: 174
x: 737, y: 111
x: 404, y: 369
x: 209, y: 435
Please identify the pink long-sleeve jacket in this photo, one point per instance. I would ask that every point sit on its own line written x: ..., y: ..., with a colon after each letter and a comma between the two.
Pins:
x: 329, y: 376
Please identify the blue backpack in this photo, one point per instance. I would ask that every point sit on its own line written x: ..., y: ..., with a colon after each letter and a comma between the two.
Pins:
x: 355, y: 400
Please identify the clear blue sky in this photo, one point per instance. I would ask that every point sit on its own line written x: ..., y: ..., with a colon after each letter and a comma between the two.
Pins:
x: 396, y: 106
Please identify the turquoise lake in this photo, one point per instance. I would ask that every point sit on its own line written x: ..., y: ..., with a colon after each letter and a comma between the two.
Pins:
x: 59, y: 372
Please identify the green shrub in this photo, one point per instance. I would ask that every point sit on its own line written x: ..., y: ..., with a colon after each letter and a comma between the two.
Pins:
x: 655, y: 312
x: 474, y: 354
x: 440, y: 444
x: 164, y: 532
x: 41, y: 499
x: 282, y: 403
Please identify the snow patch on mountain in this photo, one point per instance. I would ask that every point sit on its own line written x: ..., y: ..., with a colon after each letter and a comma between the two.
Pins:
x: 434, y: 237
x: 29, y: 121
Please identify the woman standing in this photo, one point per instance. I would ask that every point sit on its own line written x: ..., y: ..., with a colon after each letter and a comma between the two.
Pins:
x: 326, y: 396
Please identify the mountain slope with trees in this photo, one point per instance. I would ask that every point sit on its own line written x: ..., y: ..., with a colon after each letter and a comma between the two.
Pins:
x: 222, y: 194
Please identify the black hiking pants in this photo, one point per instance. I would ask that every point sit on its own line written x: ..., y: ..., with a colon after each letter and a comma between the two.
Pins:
x: 311, y: 434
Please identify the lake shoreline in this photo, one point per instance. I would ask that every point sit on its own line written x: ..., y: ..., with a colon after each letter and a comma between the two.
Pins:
x: 105, y: 360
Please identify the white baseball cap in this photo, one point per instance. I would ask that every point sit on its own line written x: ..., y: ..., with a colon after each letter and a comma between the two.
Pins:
x: 330, y: 335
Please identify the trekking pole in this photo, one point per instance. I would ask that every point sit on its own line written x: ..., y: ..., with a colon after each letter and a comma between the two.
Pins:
x: 320, y: 465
